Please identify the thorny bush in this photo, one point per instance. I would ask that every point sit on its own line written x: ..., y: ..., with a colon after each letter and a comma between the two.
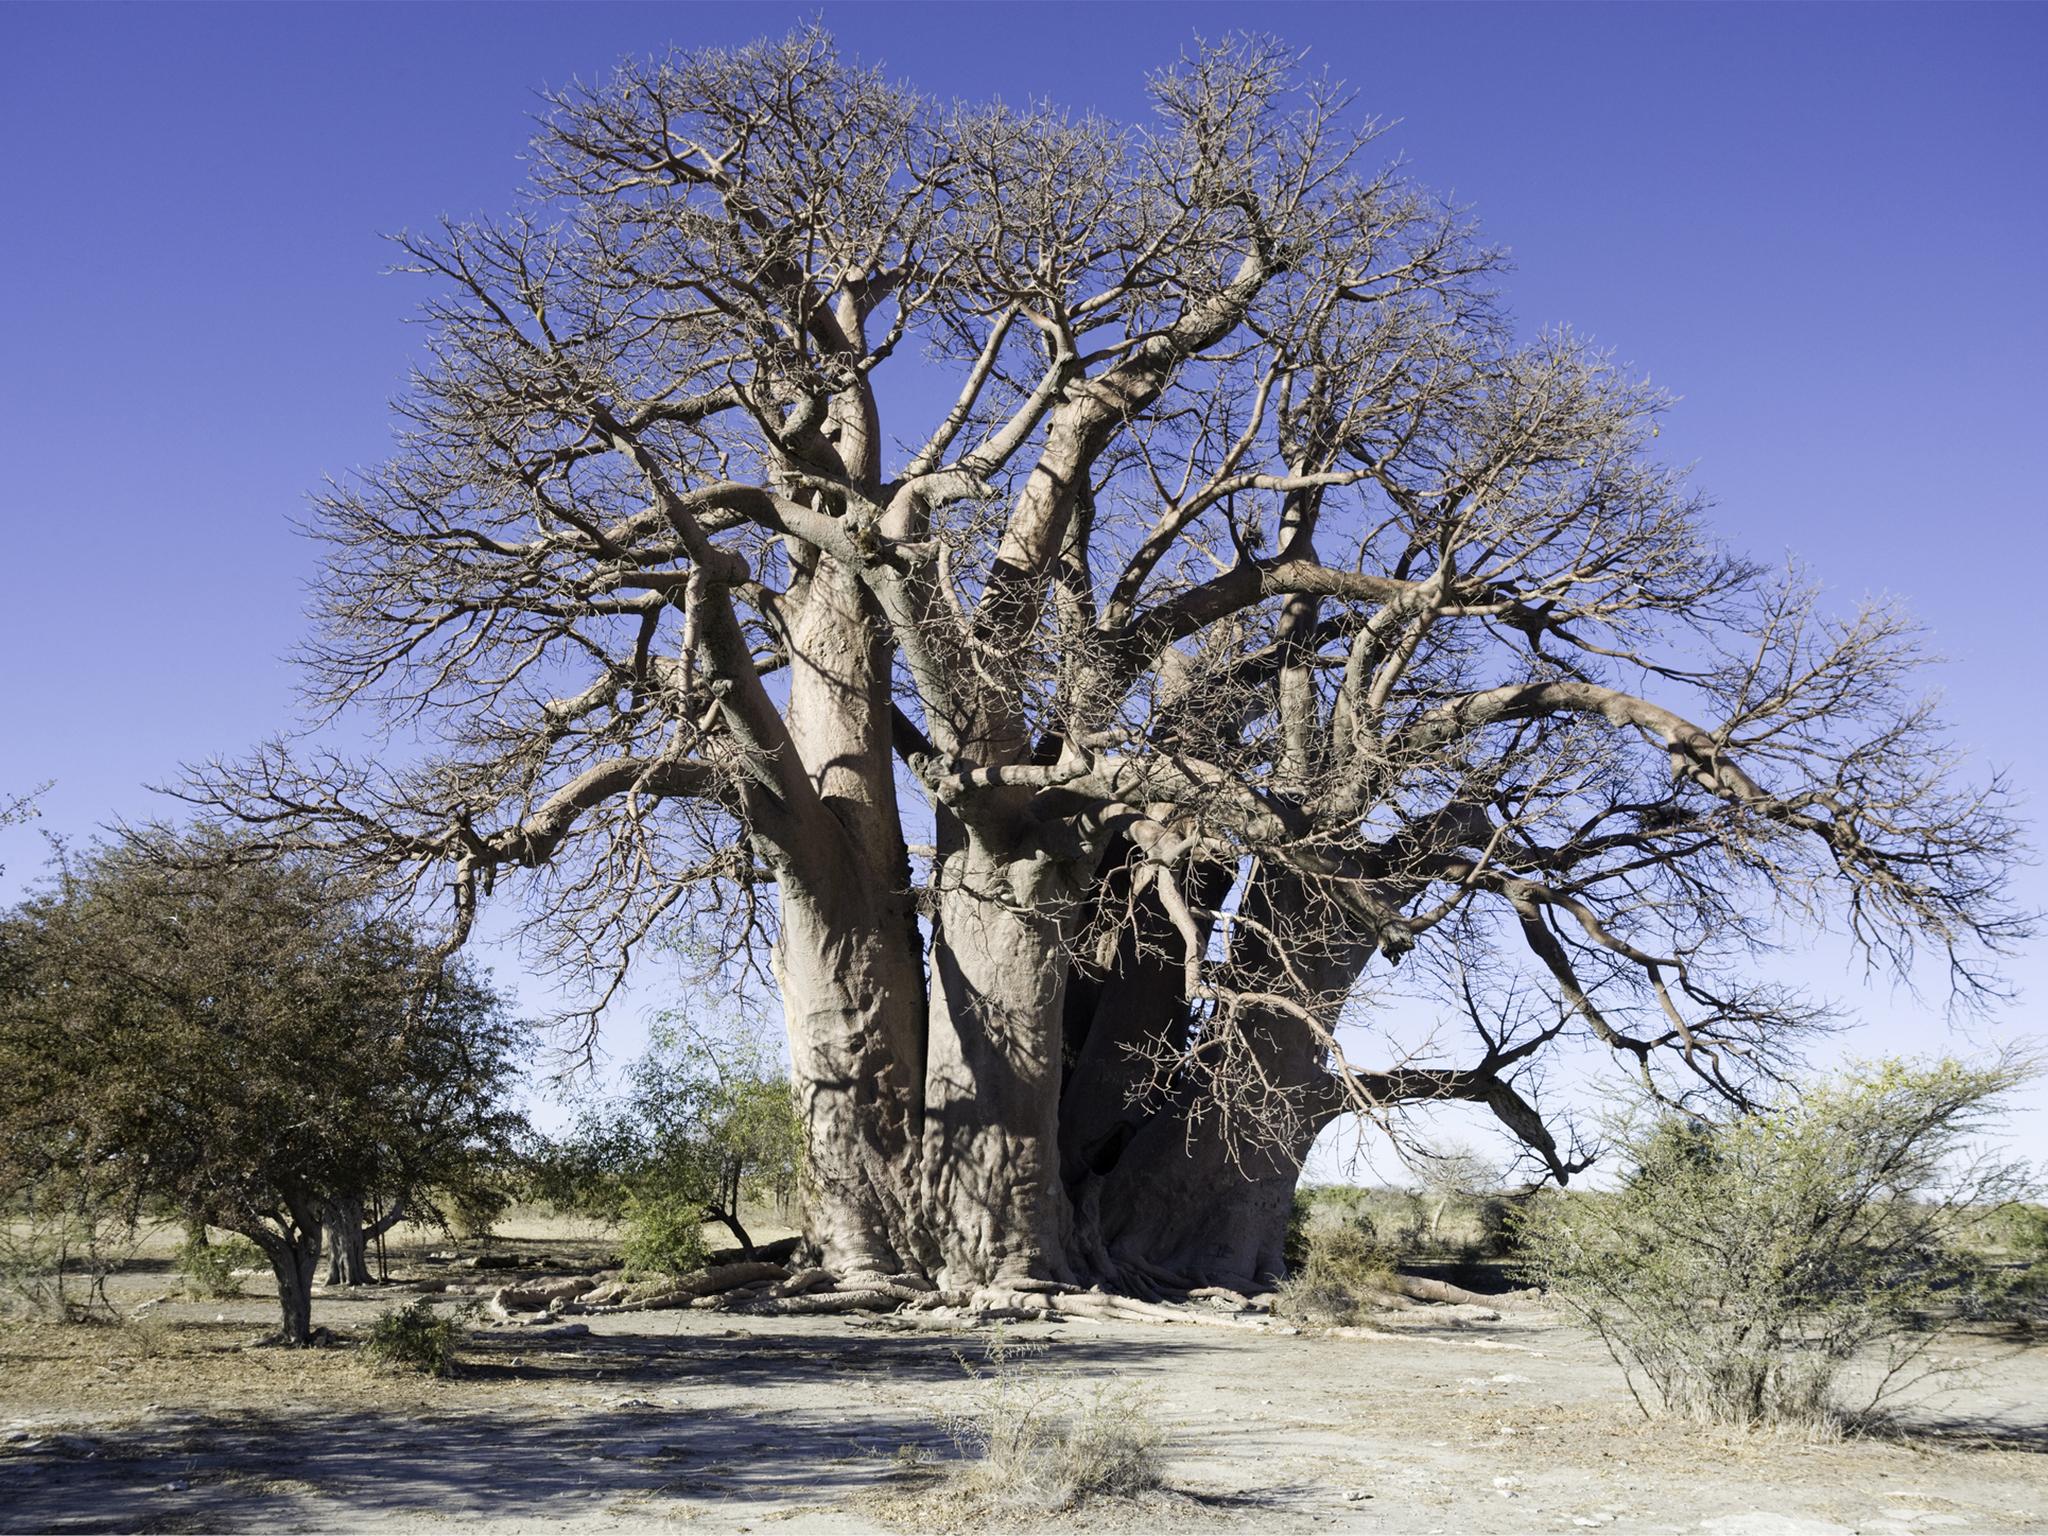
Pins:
x: 1740, y: 1268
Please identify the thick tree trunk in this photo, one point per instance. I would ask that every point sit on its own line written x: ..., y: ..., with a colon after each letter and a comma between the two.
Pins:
x: 847, y: 951
x: 294, y: 1258
x: 348, y: 1249
x: 1175, y: 1194
x: 992, y: 1075
x: 854, y: 1006
x: 1193, y: 1201
x: 349, y: 1234
x: 1057, y: 1144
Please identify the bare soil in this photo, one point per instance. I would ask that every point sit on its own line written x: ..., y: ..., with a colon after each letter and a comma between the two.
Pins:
x: 726, y: 1423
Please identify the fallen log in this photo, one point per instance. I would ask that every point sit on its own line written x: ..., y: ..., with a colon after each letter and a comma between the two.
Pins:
x: 540, y: 1295
x: 1417, y: 1288
x: 864, y: 1299
x: 805, y: 1281
x: 686, y: 1289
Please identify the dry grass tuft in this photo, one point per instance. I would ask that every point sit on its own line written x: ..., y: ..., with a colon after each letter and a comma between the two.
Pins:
x: 1344, y: 1275
x: 1031, y: 1440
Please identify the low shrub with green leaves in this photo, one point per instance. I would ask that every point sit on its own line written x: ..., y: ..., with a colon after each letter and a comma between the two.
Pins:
x: 664, y: 1234
x: 2021, y: 1230
x: 1740, y: 1268
x: 210, y: 1268
x: 415, y: 1338
x: 706, y: 1127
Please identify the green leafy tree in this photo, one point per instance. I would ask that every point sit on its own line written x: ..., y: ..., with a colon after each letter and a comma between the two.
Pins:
x: 1740, y: 1267
x: 246, y: 1042
x: 706, y: 1124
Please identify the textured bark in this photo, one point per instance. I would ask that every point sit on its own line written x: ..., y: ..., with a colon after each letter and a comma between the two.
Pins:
x: 1177, y: 1194
x: 846, y: 955
x: 349, y: 1231
x: 348, y: 1248
x: 854, y: 1007
x: 294, y: 1258
x: 991, y: 1145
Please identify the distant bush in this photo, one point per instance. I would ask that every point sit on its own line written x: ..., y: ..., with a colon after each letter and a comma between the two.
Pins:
x: 58, y: 1246
x: 1343, y: 1273
x: 1031, y: 1441
x: 1499, y: 1227
x: 707, y: 1125
x: 415, y: 1338
x: 2022, y: 1231
x: 474, y: 1211
x: 664, y: 1234
x: 1740, y: 1267
x: 209, y: 1267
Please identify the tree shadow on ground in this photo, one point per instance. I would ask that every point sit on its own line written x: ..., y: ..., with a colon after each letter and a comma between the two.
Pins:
x: 738, y: 1357
x: 641, y: 1452
x: 1965, y: 1432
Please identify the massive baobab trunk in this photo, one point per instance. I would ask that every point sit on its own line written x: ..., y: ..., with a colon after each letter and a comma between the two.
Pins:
x: 1088, y: 602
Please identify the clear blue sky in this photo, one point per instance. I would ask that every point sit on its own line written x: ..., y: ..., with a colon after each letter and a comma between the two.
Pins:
x: 1824, y: 227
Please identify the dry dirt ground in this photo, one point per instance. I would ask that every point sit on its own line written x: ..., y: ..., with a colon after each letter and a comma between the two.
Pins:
x: 699, y: 1421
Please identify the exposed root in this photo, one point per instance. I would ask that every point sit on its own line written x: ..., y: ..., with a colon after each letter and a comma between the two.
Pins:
x: 686, y: 1290
x: 762, y: 1289
x: 1105, y: 1307
x: 1416, y: 1288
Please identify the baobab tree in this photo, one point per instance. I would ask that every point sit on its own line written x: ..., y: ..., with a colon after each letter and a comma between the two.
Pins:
x: 1086, y: 600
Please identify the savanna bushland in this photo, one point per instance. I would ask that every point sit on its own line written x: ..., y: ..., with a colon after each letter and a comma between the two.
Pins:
x: 1254, y: 612
x: 1096, y: 623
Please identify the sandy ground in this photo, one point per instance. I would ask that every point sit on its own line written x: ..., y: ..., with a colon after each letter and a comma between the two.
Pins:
x: 715, y: 1423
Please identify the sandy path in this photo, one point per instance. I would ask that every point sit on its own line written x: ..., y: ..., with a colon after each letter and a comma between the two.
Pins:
x: 717, y: 1423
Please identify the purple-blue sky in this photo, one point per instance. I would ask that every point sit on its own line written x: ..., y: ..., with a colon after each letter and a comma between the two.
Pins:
x: 1824, y: 227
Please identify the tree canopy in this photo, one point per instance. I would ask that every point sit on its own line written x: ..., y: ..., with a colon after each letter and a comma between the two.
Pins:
x: 240, y: 1042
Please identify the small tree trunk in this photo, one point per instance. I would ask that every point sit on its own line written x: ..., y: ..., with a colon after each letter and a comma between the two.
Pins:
x: 731, y: 1222
x: 374, y: 1233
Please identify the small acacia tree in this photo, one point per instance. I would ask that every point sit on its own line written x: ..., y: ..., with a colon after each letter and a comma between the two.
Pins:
x: 242, y: 1041
x: 707, y: 1123
x: 1739, y: 1267
x: 1084, y: 599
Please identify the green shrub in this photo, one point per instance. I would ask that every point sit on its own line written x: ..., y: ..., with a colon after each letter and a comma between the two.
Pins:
x: 209, y: 1267
x: 1740, y: 1267
x: 2022, y: 1231
x: 473, y: 1212
x: 664, y: 1234
x: 415, y: 1338
x: 1294, y: 1246
x: 1499, y: 1227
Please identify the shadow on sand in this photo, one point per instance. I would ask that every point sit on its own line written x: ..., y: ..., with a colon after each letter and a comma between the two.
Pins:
x: 613, y: 1435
